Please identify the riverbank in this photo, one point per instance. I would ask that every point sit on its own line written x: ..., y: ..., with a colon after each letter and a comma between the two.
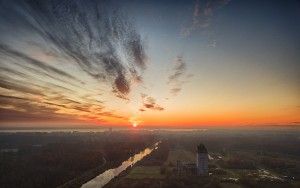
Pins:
x: 152, y: 166
x: 105, y: 177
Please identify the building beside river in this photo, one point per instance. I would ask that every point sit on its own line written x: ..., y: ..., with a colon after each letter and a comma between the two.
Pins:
x: 199, y: 168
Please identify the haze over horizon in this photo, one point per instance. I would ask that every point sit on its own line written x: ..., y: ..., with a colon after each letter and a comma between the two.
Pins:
x: 149, y: 63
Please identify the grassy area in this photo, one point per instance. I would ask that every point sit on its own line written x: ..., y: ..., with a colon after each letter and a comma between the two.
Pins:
x: 142, y: 172
x: 182, y: 155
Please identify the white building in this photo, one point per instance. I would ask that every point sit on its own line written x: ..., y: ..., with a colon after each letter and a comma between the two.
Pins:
x: 202, y: 160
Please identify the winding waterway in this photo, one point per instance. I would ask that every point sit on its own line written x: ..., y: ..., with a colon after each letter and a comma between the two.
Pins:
x: 109, y: 174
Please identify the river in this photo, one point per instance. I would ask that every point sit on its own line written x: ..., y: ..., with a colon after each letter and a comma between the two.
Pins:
x: 109, y: 174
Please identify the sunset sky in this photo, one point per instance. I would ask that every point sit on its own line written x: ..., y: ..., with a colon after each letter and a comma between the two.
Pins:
x: 149, y: 63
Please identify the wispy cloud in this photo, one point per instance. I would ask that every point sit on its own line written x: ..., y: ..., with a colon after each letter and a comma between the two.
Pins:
x: 8, y: 52
x: 202, y: 15
x: 178, y: 76
x: 150, y: 103
x: 51, y: 108
x: 11, y: 85
x: 212, y: 44
x: 99, y: 38
x: 95, y: 38
x: 23, y: 97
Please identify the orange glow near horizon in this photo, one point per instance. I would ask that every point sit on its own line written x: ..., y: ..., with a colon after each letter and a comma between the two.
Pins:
x: 182, y: 119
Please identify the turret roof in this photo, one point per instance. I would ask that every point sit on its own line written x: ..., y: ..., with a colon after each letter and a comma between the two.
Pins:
x: 201, y: 148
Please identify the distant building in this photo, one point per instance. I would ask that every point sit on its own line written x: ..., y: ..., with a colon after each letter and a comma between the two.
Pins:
x: 202, y: 160
x: 199, y: 168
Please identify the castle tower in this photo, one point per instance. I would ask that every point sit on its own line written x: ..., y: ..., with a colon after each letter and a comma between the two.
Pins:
x: 202, y: 160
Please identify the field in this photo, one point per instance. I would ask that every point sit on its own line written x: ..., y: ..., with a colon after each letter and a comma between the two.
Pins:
x: 182, y: 155
x: 143, y: 172
x: 237, y: 160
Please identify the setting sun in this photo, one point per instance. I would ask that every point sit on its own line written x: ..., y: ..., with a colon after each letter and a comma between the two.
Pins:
x: 134, y: 124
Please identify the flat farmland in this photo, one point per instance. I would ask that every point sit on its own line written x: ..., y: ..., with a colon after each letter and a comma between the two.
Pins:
x: 142, y: 172
x: 182, y: 155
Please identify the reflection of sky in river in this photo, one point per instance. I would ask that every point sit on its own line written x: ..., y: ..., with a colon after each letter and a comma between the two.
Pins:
x: 108, y: 175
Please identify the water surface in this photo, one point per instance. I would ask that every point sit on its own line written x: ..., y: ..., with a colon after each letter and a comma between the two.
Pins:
x: 108, y: 175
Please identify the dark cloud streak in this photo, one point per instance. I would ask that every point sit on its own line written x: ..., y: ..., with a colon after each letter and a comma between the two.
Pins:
x: 202, y: 15
x: 91, y: 33
x: 94, y: 37
x: 18, y: 87
x: 150, y: 103
x: 5, y: 50
x: 178, y: 76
